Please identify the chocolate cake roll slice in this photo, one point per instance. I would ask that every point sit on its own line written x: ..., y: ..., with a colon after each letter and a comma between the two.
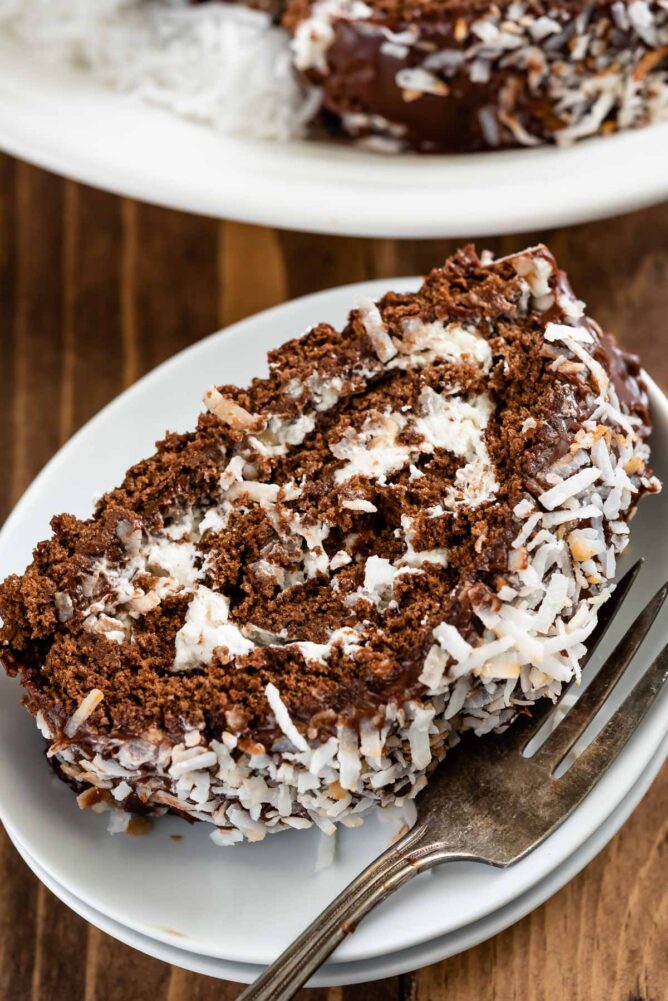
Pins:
x: 462, y: 75
x: 403, y: 533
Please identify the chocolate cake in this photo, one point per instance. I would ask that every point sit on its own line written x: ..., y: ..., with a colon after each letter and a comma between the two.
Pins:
x: 455, y: 75
x: 403, y: 533
x: 469, y: 75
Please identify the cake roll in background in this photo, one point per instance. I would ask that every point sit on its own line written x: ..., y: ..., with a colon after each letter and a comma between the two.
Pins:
x: 453, y: 76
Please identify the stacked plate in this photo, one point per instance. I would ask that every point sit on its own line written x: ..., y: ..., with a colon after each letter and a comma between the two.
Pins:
x: 227, y: 911
x: 66, y: 121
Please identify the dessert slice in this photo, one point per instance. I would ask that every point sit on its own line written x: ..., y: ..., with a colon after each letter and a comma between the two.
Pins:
x: 456, y: 75
x: 404, y: 532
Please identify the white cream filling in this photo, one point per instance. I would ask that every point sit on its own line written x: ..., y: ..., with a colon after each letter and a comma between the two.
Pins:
x: 207, y: 629
x: 374, y: 451
x: 423, y: 343
x: 451, y: 423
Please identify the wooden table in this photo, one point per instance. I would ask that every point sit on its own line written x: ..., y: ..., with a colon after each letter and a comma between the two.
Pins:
x: 94, y: 291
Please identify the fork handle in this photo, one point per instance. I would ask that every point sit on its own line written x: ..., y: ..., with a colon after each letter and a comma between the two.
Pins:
x: 308, y: 952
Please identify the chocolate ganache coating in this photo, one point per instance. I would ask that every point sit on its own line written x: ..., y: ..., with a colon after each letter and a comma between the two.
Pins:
x: 402, y: 533
x: 361, y: 88
x: 457, y: 77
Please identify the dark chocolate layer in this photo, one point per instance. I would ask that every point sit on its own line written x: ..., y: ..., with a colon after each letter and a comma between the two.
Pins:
x: 455, y: 77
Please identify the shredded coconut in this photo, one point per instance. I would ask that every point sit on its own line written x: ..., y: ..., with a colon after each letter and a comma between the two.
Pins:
x: 220, y: 64
x: 283, y: 718
x: 81, y: 714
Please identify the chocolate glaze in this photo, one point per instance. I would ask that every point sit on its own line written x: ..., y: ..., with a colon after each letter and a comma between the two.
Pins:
x: 626, y: 374
x: 361, y: 78
x: 623, y: 367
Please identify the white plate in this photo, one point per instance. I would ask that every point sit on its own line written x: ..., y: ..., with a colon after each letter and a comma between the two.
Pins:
x: 231, y: 903
x: 392, y: 964
x: 63, y: 120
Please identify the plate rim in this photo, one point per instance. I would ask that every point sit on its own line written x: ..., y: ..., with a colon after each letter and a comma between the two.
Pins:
x: 334, y: 974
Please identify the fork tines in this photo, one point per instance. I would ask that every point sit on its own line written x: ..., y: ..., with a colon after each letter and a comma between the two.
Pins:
x: 561, y: 741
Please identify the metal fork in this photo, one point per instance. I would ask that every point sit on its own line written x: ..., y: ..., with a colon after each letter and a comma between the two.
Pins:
x: 491, y: 803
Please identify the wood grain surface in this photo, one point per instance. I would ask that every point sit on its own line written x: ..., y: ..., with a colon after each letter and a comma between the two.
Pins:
x: 94, y: 291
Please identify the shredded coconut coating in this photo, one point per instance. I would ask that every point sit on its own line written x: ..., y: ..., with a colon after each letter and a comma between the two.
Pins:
x: 286, y: 617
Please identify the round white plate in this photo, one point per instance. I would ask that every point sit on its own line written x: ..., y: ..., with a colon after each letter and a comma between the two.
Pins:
x: 392, y: 964
x: 64, y: 120
x: 230, y: 903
